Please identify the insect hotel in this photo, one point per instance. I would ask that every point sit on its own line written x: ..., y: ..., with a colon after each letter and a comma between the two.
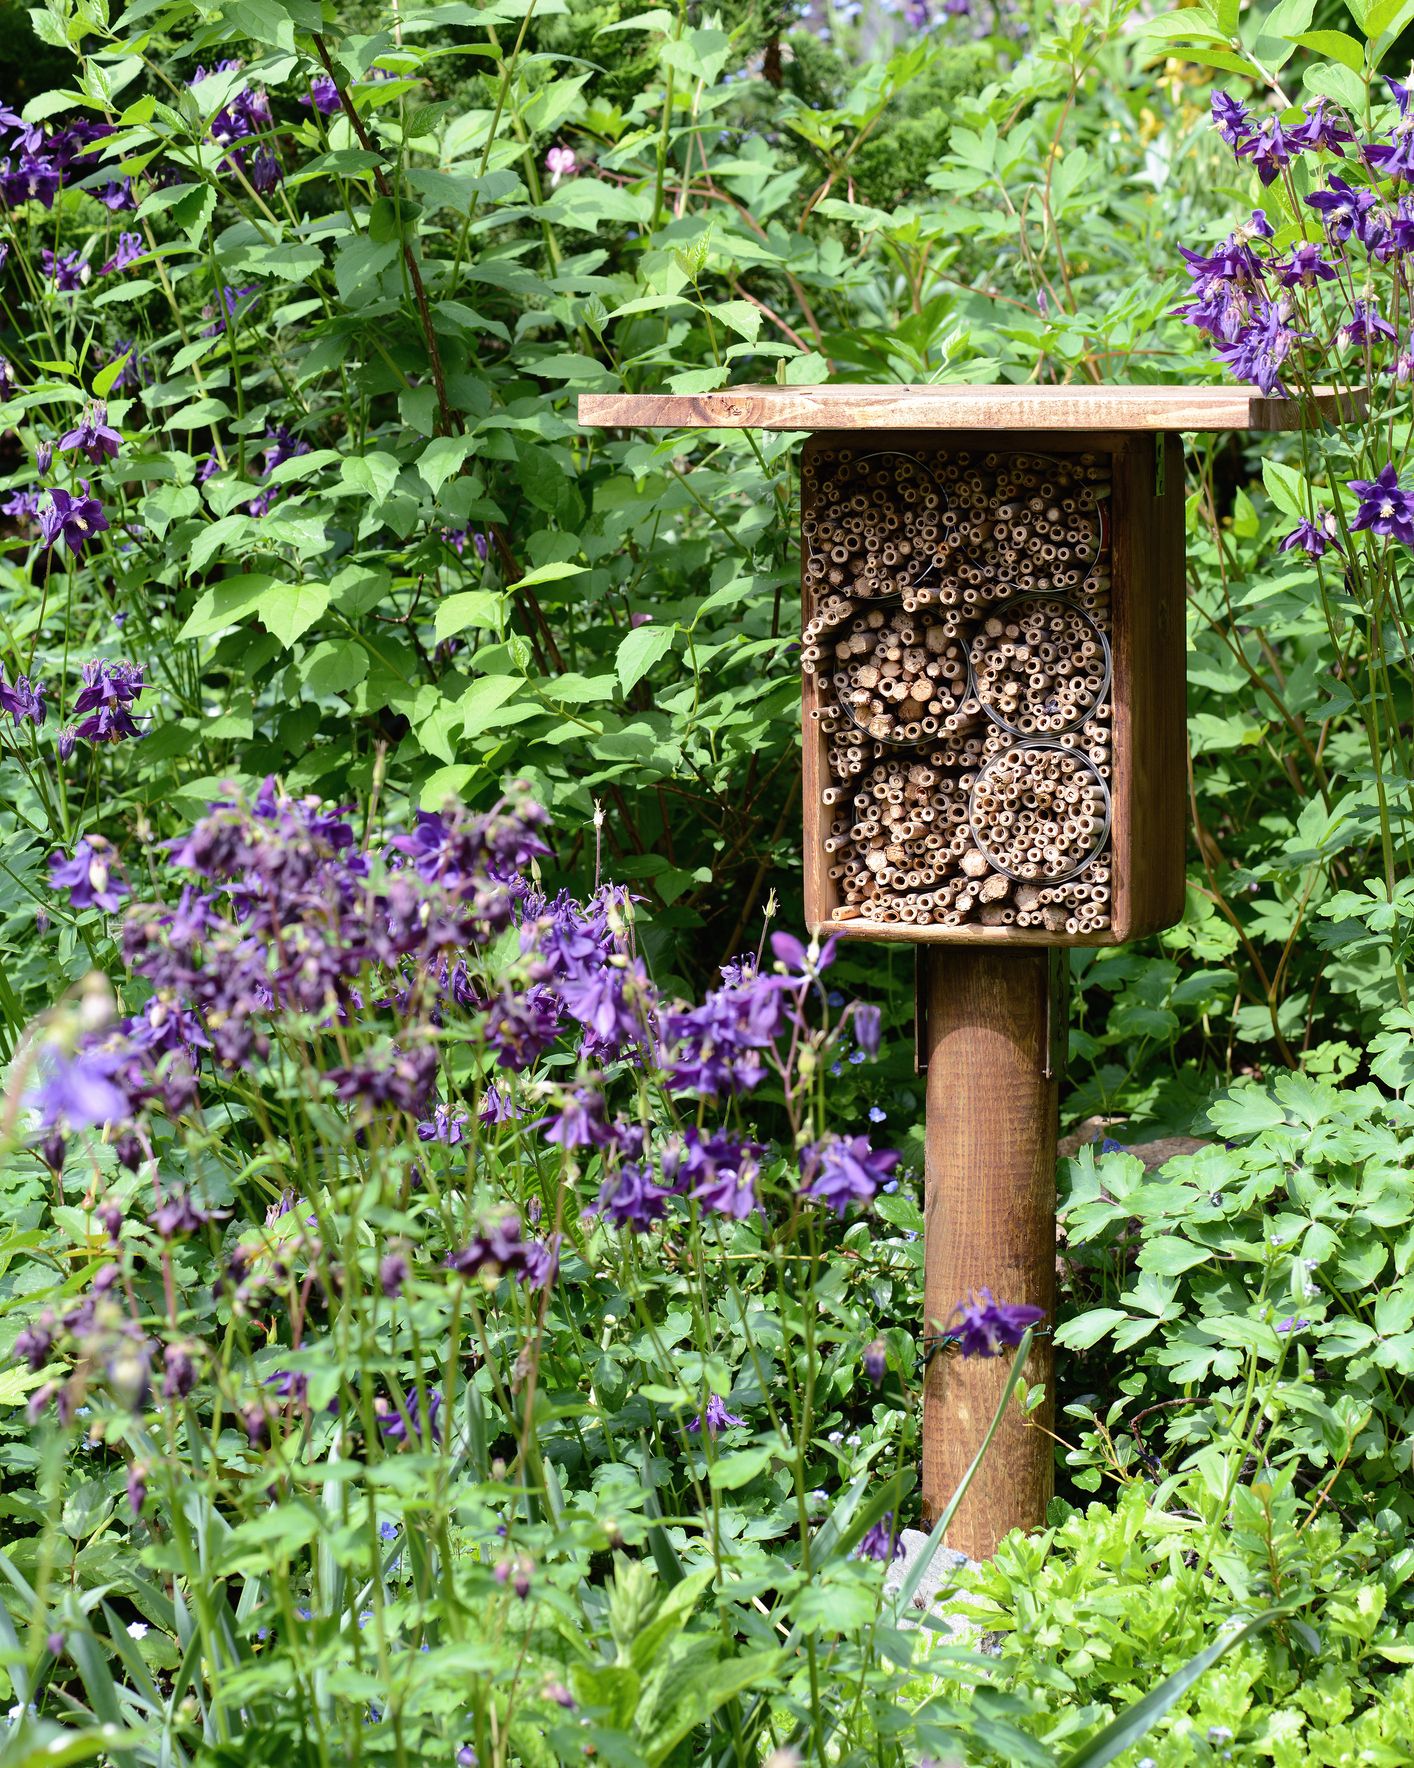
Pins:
x: 993, y: 694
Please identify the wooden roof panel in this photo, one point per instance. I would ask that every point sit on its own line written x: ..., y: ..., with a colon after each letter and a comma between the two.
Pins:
x: 958, y: 407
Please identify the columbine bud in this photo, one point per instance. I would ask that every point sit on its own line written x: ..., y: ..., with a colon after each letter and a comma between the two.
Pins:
x: 137, y: 1487
x: 128, y: 1373
x: 876, y: 1361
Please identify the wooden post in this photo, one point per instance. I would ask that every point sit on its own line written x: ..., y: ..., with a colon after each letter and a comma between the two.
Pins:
x: 990, y: 1013
x: 990, y: 1025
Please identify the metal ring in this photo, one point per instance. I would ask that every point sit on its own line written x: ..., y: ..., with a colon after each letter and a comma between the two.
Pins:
x: 999, y: 612
x: 1101, y: 840
x: 916, y: 462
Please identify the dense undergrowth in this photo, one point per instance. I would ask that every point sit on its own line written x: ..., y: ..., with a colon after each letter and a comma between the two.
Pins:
x: 460, y: 1266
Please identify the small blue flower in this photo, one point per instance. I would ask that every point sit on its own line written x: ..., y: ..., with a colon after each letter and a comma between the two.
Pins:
x: 877, y: 1114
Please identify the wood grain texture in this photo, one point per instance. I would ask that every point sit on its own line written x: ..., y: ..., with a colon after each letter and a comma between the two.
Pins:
x: 990, y: 1221
x: 1101, y: 409
x: 1148, y: 603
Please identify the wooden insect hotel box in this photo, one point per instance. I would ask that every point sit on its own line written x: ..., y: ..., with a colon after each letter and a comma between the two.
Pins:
x: 993, y: 642
x: 993, y: 679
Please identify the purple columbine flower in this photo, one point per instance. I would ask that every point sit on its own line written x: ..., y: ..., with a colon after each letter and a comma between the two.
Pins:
x: 799, y: 962
x: 445, y: 1125
x: 1341, y: 206
x: 43, y: 456
x: 882, y: 1542
x: 716, y: 1418
x: 1385, y: 507
x: 227, y: 310
x: 560, y: 163
x: 393, y: 1273
x: 1270, y: 149
x: 1322, y: 130
x: 93, y: 435
x: 1230, y: 118
x: 867, y: 1022
x: 68, y: 272
x: 1314, y: 539
x: 1292, y: 1323
x: 25, y: 701
x: 1366, y: 325
x: 632, y: 1198
x: 78, y: 1088
x: 876, y: 1361
x: 1305, y: 267
x: 579, y: 1123
x: 22, y: 505
x: 984, y: 1327
x: 88, y: 876
x: 117, y: 194
x: 131, y: 247
x: 845, y: 1169
x: 727, y: 1172
x: 74, y: 520
x: 107, y: 694
x: 1393, y: 159
x: 323, y: 94
x: 1258, y: 350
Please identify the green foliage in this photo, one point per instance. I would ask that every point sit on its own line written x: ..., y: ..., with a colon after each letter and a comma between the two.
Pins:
x: 1110, y: 1602
x: 359, y: 541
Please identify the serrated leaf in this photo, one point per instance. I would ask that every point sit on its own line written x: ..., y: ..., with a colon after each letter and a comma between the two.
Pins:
x: 1338, y: 46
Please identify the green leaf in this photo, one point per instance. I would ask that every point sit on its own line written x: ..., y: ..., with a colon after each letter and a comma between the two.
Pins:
x: 371, y: 475
x: 442, y: 457
x: 1128, y: 1727
x: 483, y: 699
x: 1338, y: 46
x: 1278, y: 29
x: 303, y: 466
x: 1287, y: 489
x: 472, y: 607
x: 104, y: 379
x: 739, y: 1468
x: 334, y: 667
x: 1167, y: 1255
x: 1083, y: 1331
x: 289, y: 609
x: 639, y: 650
x: 224, y: 603
x: 1387, y: 15
x: 551, y: 573
x: 741, y: 316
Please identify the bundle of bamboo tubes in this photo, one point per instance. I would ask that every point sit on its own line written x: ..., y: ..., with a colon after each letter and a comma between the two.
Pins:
x: 1039, y: 666
x: 958, y: 639
x: 870, y: 523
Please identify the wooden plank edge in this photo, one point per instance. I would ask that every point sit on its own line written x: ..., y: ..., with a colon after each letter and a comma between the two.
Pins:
x: 1197, y: 410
